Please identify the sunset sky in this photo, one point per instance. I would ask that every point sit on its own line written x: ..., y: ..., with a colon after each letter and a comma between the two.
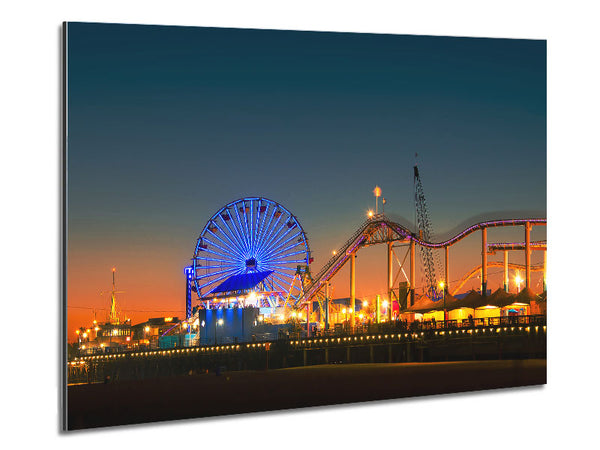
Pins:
x: 168, y: 124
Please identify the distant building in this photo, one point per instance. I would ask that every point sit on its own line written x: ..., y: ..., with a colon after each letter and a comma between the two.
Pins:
x: 112, y: 337
x: 104, y: 338
x: 145, y: 335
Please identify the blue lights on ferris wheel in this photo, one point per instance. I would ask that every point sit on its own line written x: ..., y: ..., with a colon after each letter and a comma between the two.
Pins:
x: 252, y: 234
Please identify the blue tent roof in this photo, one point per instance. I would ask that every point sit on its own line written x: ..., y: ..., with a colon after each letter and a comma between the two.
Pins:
x: 241, y: 282
x: 463, y: 295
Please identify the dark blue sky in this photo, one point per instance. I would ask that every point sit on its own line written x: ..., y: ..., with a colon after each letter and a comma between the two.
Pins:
x: 168, y: 124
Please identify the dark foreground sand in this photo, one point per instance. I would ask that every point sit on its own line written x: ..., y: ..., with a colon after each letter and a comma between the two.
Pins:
x: 130, y: 402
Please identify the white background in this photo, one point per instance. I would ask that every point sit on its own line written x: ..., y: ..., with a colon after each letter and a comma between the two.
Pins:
x: 563, y: 413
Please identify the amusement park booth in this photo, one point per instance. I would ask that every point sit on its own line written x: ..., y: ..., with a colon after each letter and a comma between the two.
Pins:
x: 475, y: 305
x: 460, y: 314
x: 416, y: 312
x: 519, y: 304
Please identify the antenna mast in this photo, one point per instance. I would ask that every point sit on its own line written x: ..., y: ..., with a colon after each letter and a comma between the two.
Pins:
x: 114, y: 318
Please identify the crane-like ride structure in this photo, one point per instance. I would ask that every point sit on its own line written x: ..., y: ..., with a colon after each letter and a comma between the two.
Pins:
x: 424, y: 232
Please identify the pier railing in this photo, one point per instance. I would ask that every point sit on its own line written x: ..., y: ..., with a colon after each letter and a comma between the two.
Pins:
x: 399, y: 325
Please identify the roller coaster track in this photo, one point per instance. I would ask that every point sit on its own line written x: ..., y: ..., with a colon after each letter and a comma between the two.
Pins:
x: 477, y: 269
x: 381, y: 225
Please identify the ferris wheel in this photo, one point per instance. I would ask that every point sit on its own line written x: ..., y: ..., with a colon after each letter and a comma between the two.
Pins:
x: 251, y: 235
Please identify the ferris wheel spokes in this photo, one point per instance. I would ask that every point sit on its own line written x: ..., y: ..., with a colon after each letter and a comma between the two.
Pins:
x: 266, y: 230
x: 261, y: 226
x: 279, y: 253
x: 275, y: 236
x: 234, y: 247
x: 235, y: 235
x: 277, y: 243
x: 206, y: 250
x: 221, y: 248
x: 265, y: 240
x: 243, y: 236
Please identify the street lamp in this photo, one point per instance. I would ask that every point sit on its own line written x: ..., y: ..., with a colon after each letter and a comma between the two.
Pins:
x: 385, y: 304
x: 146, y: 331
x: 217, y: 322
x: 518, y: 281
x: 442, y: 285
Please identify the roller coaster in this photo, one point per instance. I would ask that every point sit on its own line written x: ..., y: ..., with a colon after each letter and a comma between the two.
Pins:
x: 380, y: 229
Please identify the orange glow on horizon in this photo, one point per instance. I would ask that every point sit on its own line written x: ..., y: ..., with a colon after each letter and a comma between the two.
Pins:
x: 156, y: 288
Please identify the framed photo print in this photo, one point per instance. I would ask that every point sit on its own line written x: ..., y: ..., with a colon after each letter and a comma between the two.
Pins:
x: 258, y: 220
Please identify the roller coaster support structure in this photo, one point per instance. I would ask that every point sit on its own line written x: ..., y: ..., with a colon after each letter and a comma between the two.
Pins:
x: 527, y: 255
x: 352, y: 288
x: 308, y: 319
x: 327, y: 300
x: 545, y: 252
x: 484, y: 252
x: 412, y: 283
x: 390, y: 275
x: 447, y: 270
x: 506, y: 270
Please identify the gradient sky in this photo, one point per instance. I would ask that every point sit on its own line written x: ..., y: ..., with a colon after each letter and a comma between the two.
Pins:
x: 168, y: 124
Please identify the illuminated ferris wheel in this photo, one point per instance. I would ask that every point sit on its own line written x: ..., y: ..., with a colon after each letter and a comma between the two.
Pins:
x: 254, y: 236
